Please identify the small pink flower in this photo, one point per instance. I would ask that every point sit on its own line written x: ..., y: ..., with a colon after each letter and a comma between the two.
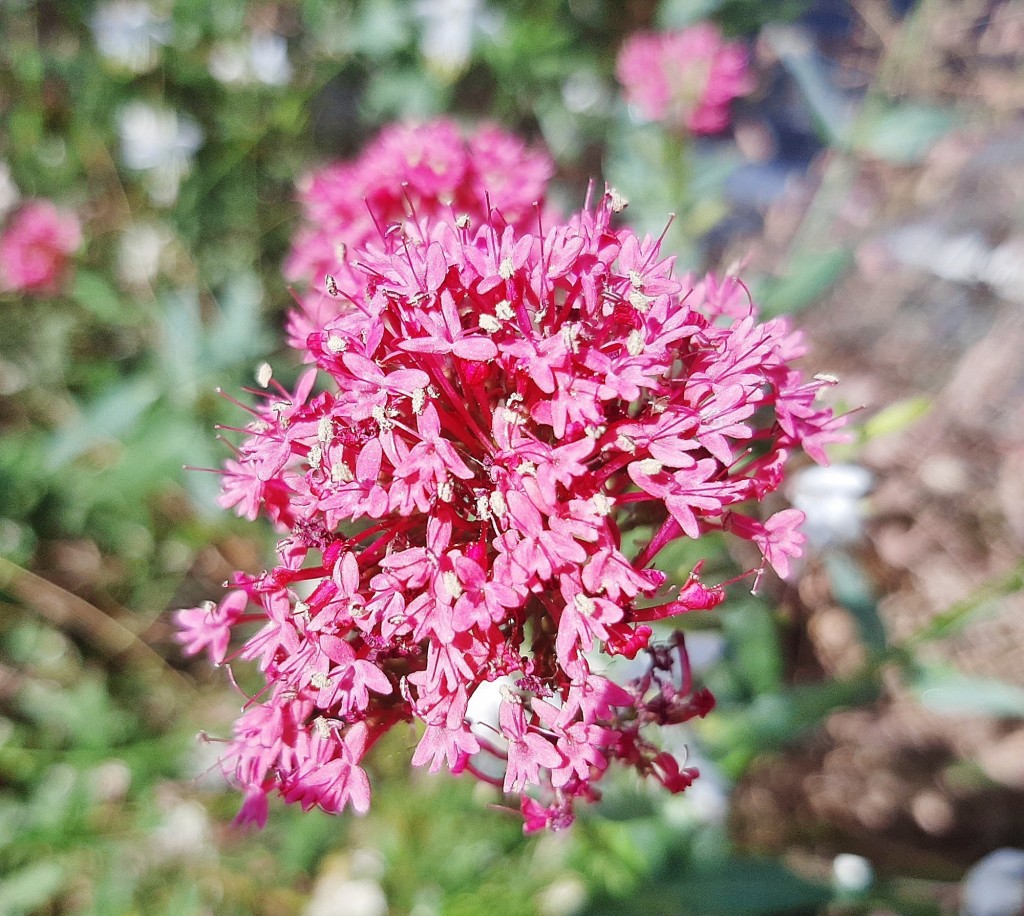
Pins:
x: 36, y: 248
x: 685, y: 79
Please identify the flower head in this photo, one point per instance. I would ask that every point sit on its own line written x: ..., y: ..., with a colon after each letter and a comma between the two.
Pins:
x: 36, y: 248
x: 685, y: 79
x: 499, y: 409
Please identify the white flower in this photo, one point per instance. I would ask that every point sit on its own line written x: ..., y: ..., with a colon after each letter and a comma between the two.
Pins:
x: 449, y: 31
x: 852, y: 873
x: 9, y: 194
x: 832, y: 498
x: 128, y: 34
x: 161, y: 143
x: 139, y: 252
x: 265, y: 60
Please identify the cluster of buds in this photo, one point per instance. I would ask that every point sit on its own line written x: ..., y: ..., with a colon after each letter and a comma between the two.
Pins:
x: 500, y: 412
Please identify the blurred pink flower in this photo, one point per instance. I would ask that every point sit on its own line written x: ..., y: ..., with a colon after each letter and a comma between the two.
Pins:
x: 410, y: 174
x: 36, y: 247
x: 685, y: 79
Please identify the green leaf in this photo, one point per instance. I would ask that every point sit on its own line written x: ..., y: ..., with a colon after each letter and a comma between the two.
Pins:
x: 851, y: 589
x: 238, y: 334
x: 29, y: 889
x: 110, y: 417
x: 754, y: 641
x: 945, y: 690
x: 896, y: 417
x: 181, y: 344
x: 94, y: 293
x: 901, y: 133
x: 808, y: 276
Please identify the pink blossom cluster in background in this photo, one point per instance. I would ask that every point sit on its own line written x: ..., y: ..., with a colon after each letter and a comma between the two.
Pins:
x: 500, y: 411
x: 685, y: 79
x: 427, y: 169
x: 36, y: 247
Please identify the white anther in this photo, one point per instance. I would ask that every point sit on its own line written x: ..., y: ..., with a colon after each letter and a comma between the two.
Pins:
x: 483, y: 507
x: 302, y: 609
x: 380, y: 415
x: 489, y: 323
x: 651, y: 466
x: 319, y: 680
x: 463, y: 222
x: 584, y: 604
x: 322, y: 728
x: 419, y: 400
x: 827, y: 377
x: 504, y: 310
x: 527, y: 468
x: 331, y: 285
x: 639, y: 301
x: 635, y: 342
x: 497, y: 504
x: 636, y: 279
x: 336, y: 344
x: 264, y: 374
x: 325, y: 429
x: 625, y: 443
x: 616, y: 201
x: 451, y: 584
x: 595, y: 432
x: 445, y: 491
x: 315, y: 457
x: 341, y: 472
x: 570, y: 337
x: 602, y: 504
x: 505, y: 269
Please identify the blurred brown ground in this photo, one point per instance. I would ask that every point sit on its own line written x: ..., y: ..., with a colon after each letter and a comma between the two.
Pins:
x: 933, y: 307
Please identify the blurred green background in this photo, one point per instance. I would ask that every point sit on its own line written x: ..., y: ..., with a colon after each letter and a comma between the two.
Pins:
x: 177, y: 130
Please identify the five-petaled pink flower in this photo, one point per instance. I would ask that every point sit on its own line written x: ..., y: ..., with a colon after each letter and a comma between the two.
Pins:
x: 685, y: 79
x: 36, y: 248
x: 498, y: 407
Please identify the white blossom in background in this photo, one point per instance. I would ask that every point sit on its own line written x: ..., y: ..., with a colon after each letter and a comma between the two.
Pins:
x: 9, y: 194
x: 128, y: 34
x: 139, y: 251
x: 449, y: 31
x: 851, y: 873
x: 832, y: 499
x: 263, y: 60
x: 161, y: 143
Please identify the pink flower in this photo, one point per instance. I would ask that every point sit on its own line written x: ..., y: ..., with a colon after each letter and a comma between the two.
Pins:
x: 36, y: 247
x: 408, y: 175
x: 685, y: 79
x: 209, y: 625
x: 498, y: 407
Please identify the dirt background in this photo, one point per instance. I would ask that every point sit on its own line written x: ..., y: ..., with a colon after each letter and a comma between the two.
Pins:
x: 931, y: 314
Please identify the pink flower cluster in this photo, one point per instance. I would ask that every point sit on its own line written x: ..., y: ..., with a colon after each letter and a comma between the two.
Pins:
x: 685, y: 79
x: 501, y: 412
x: 36, y: 248
x: 427, y: 169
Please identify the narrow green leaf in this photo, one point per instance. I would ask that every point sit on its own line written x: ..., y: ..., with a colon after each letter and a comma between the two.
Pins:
x: 945, y: 690
x: 852, y: 590
x: 808, y: 277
